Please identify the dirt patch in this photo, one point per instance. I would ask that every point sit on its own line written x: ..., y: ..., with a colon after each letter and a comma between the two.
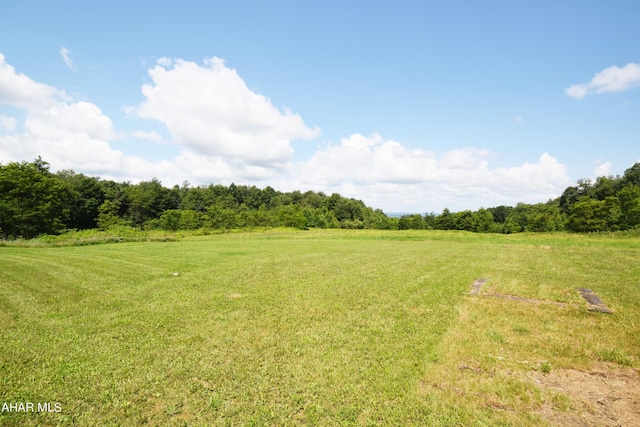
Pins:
x: 234, y: 296
x: 605, y: 396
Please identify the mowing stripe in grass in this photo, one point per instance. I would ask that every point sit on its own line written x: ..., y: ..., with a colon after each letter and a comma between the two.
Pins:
x: 323, y: 327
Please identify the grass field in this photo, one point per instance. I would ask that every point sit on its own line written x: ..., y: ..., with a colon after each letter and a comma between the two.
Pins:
x: 312, y: 328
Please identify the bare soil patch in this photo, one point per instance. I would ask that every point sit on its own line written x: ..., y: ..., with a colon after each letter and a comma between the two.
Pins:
x: 607, y: 395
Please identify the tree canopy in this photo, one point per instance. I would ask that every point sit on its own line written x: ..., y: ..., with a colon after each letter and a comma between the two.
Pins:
x: 34, y: 201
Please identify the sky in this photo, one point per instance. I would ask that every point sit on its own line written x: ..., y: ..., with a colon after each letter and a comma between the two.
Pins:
x: 410, y: 106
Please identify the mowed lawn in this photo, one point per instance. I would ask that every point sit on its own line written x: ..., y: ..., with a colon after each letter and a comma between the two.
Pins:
x: 310, y: 327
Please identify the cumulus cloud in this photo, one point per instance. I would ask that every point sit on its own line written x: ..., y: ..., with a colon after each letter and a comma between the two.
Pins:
x: 19, y: 90
x: 66, y: 57
x: 603, y: 169
x: 79, y: 136
x: 612, y: 79
x: 8, y: 123
x: 74, y: 135
x: 386, y: 174
x: 363, y: 160
x: 68, y: 134
x: 251, y: 138
x: 149, y: 136
x: 208, y: 109
x: 367, y: 160
x: 227, y: 133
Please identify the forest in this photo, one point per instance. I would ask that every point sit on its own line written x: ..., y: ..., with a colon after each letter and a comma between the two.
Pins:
x: 35, y: 201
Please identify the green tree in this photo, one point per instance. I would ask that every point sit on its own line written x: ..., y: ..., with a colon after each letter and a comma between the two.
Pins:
x: 87, y: 196
x: 430, y: 220
x: 588, y: 215
x: 606, y: 186
x: 117, y: 191
x: 148, y: 199
x: 109, y: 214
x: 312, y: 199
x: 500, y: 213
x: 482, y: 221
x: 349, y: 212
x: 196, y: 199
x: 614, y: 213
x: 320, y: 217
x: 268, y: 195
x: 254, y: 198
x: 543, y: 217
x: 517, y: 220
x: 219, y: 217
x: 571, y: 195
x: 463, y: 220
x: 170, y: 220
x: 629, y: 198
x: 632, y: 175
x: 444, y: 221
x: 190, y: 219
x: 377, y: 219
x: 33, y: 201
x: 291, y: 216
x: 411, y: 222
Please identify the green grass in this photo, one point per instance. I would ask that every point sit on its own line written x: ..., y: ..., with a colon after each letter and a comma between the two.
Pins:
x: 322, y: 327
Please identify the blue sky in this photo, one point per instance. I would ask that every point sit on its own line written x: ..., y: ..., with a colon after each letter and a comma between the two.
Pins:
x: 409, y: 106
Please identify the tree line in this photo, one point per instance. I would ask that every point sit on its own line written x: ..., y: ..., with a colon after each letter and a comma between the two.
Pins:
x: 35, y: 201
x: 608, y: 203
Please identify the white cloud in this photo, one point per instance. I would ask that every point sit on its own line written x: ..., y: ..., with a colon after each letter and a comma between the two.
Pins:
x: 518, y: 120
x: 368, y: 160
x: 164, y: 62
x: 209, y: 110
x: 149, y: 136
x: 69, y: 136
x: 207, y: 169
x: 8, y: 123
x: 66, y: 57
x: 79, y: 136
x: 19, y: 90
x: 388, y: 175
x: 64, y: 120
x: 612, y: 79
x: 577, y: 91
x: 603, y: 169
x: 227, y: 133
